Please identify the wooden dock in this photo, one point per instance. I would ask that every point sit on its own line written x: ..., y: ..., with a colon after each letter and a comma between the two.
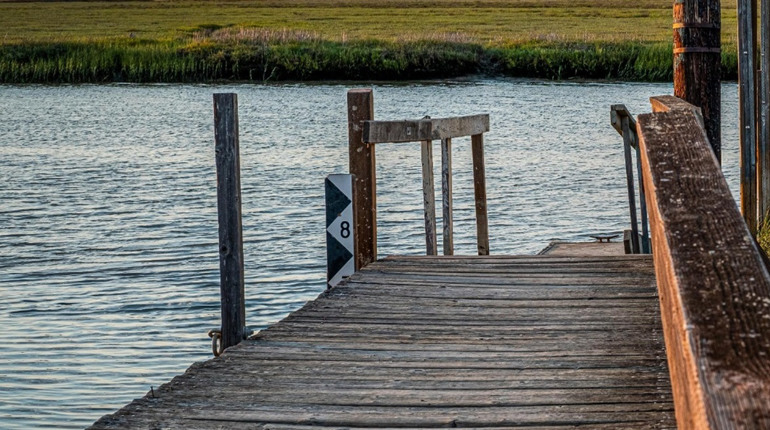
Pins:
x: 540, y: 342
x: 579, y: 337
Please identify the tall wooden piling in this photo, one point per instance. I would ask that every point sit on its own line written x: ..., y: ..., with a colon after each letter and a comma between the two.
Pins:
x: 763, y: 146
x: 362, y: 165
x: 747, y: 110
x: 229, y: 213
x: 697, y: 61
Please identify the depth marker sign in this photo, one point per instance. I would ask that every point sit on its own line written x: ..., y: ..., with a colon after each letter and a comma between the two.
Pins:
x: 339, y: 228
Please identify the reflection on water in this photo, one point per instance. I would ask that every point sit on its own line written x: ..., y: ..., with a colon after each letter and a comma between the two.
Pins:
x: 109, y: 266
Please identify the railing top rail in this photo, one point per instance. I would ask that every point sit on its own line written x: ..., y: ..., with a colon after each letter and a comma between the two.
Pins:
x: 617, y: 113
x: 424, y: 129
x: 714, y: 286
x: 670, y: 103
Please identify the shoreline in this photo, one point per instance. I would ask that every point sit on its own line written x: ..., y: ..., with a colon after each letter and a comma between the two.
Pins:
x: 270, y: 58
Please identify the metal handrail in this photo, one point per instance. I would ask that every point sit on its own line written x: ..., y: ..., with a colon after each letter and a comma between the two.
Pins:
x: 625, y: 124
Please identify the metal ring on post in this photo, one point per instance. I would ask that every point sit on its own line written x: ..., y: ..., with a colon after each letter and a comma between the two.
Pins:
x: 216, y: 344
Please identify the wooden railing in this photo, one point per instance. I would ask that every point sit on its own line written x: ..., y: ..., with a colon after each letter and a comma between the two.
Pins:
x: 625, y: 125
x: 713, y: 283
x: 365, y: 133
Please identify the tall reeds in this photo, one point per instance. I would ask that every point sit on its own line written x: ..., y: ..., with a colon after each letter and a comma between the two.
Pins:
x: 242, y: 54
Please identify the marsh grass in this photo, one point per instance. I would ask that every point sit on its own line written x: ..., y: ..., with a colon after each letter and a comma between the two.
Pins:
x: 264, y: 40
x: 763, y: 234
x: 264, y: 55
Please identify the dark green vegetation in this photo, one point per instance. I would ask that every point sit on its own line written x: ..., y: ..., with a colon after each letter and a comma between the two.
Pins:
x: 182, y: 41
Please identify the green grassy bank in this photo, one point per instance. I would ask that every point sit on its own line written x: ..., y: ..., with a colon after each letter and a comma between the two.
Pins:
x: 267, y: 40
x: 131, y: 60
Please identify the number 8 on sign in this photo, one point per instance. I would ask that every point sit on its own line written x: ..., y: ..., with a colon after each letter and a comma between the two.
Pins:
x: 339, y: 228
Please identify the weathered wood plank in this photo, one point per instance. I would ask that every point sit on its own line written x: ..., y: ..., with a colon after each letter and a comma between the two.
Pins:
x: 747, y: 129
x: 362, y: 164
x: 231, y: 270
x: 575, y: 352
x: 430, y: 416
x: 628, y: 141
x: 480, y: 193
x: 617, y: 113
x: 714, y: 287
x: 429, y: 198
x: 424, y: 129
x: 763, y: 145
x: 446, y: 196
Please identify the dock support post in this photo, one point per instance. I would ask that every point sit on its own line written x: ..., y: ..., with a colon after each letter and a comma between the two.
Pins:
x: 446, y: 195
x: 362, y: 165
x: 698, y: 62
x: 480, y: 193
x: 763, y: 156
x: 229, y: 214
x: 428, y: 197
x: 747, y: 111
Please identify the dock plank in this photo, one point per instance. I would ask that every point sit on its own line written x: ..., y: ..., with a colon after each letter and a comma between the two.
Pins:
x: 542, y: 342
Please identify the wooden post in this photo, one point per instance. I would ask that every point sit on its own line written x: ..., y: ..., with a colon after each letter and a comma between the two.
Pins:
x: 362, y: 165
x: 645, y: 241
x: 229, y: 213
x: 627, y: 141
x: 747, y: 112
x: 480, y: 193
x: 446, y: 195
x: 697, y: 61
x: 429, y: 197
x: 763, y: 157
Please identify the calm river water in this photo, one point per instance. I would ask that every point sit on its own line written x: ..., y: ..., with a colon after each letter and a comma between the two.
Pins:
x: 108, y: 256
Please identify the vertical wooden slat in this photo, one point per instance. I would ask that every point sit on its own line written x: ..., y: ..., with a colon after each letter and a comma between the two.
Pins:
x: 429, y: 198
x: 362, y: 165
x: 229, y: 214
x: 763, y: 158
x: 480, y: 192
x: 446, y: 194
x: 627, y: 141
x: 645, y: 242
x: 747, y: 113
x: 697, y: 61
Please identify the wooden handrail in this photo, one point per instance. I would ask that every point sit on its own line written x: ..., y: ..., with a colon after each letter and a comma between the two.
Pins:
x: 667, y: 103
x: 625, y: 124
x: 364, y: 132
x: 714, y: 287
x: 424, y: 129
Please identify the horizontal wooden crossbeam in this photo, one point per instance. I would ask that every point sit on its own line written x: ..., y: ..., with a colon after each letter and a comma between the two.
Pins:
x: 424, y: 129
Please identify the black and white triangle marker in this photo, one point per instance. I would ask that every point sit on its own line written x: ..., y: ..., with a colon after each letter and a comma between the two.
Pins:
x: 339, y: 228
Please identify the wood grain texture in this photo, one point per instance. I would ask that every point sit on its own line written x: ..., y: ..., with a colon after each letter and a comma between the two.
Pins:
x: 480, y: 193
x: 419, y: 342
x: 763, y: 145
x: 713, y: 285
x: 747, y: 111
x: 226, y: 147
x: 446, y: 196
x: 424, y: 129
x: 628, y: 141
x: 697, y: 61
x: 363, y: 166
x: 429, y: 198
x: 617, y: 113
x: 667, y: 103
